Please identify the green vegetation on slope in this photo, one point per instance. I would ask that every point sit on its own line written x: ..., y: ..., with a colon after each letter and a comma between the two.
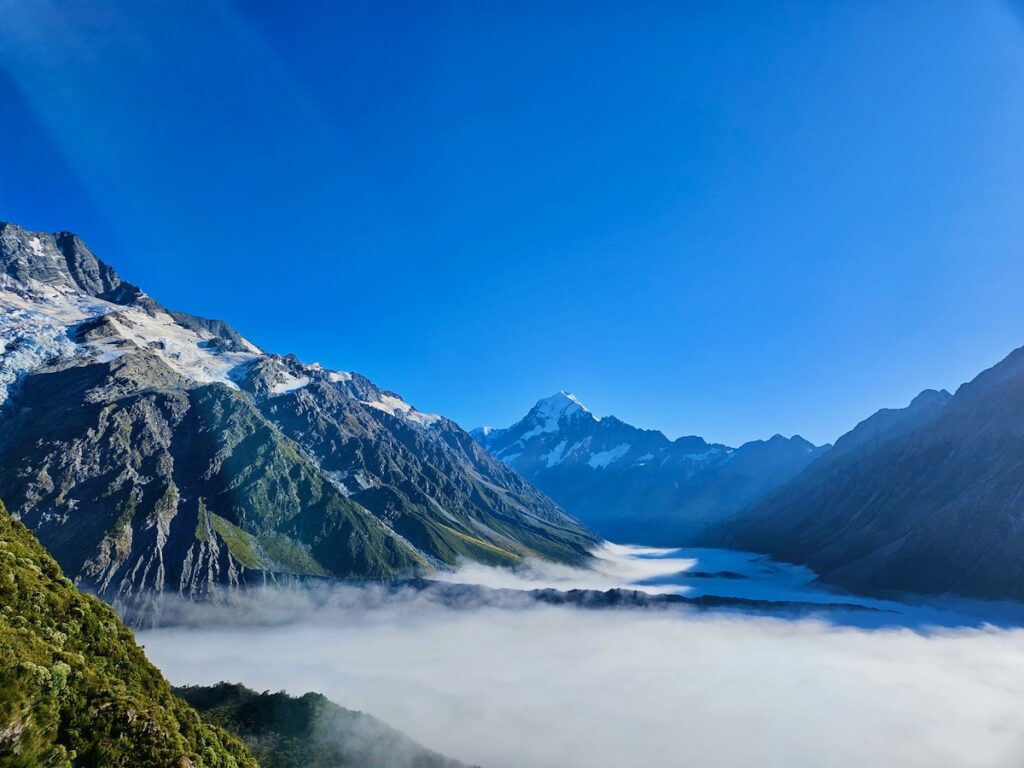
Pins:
x: 231, y: 498
x: 75, y: 689
x: 309, y: 731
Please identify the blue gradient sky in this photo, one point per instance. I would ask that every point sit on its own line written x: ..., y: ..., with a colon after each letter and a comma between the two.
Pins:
x: 728, y: 219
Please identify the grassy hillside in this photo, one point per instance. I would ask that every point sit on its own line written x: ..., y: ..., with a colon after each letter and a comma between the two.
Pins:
x: 309, y: 731
x: 75, y: 688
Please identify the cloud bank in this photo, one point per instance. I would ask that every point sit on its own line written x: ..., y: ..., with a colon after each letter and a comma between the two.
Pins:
x: 554, y: 687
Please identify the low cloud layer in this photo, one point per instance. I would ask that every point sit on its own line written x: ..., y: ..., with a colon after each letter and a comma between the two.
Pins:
x: 543, y: 686
x: 614, y: 565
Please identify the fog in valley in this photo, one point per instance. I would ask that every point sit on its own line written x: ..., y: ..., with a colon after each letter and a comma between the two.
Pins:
x: 501, y: 681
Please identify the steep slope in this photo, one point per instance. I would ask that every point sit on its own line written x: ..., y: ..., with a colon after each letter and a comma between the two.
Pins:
x: 153, y: 450
x: 636, y: 485
x: 890, y: 423
x: 136, y: 490
x: 75, y: 689
x: 309, y: 731
x: 934, y: 505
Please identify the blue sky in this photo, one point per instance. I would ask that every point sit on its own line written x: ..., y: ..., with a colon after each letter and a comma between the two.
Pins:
x: 725, y: 219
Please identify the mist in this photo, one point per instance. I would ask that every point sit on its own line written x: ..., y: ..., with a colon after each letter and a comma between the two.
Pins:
x: 509, y: 683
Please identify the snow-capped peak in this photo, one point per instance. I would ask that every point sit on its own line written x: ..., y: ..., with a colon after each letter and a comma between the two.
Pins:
x: 558, y: 405
x: 548, y: 414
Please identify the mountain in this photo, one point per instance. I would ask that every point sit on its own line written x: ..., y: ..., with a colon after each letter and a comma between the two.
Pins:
x: 75, y: 689
x: 890, y: 423
x: 927, y: 499
x: 636, y: 485
x: 154, y: 450
x: 309, y: 731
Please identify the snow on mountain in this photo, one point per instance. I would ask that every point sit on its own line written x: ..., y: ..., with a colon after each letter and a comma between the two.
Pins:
x: 40, y: 323
x: 49, y: 314
x: 397, y: 407
x: 45, y: 322
x: 602, y: 459
x: 152, y: 449
x: 27, y: 339
x: 635, y: 484
x: 548, y: 414
x: 289, y: 384
x: 552, y: 409
x: 191, y: 354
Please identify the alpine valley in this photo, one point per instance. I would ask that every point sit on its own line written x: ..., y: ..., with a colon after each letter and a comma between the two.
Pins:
x: 636, y: 485
x: 771, y: 245
x: 924, y: 499
x: 152, y: 450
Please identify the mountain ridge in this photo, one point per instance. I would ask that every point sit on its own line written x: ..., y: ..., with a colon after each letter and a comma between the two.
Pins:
x: 633, y: 484
x: 933, y: 507
x: 157, y: 450
x: 308, y: 731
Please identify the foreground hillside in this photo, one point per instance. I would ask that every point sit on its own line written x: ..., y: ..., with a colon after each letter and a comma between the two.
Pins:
x: 75, y: 689
x: 927, y: 499
x: 309, y: 731
x: 636, y: 485
x: 153, y: 450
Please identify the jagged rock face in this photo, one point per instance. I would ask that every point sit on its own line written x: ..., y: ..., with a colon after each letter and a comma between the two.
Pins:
x: 636, y: 485
x: 932, y: 504
x: 435, y: 486
x: 157, y: 451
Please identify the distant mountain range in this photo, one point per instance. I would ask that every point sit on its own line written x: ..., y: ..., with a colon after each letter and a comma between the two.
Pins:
x: 636, y: 485
x: 926, y: 499
x: 154, y: 450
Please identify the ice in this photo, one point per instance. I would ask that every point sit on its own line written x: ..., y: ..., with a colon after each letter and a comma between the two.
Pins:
x: 289, y: 383
x: 602, y: 459
x: 397, y: 407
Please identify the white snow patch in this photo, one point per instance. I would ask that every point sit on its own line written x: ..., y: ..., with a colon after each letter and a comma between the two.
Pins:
x: 289, y: 383
x: 36, y: 246
x: 556, y: 455
x: 184, y: 350
x: 251, y: 347
x: 550, y: 411
x: 602, y: 459
x: 34, y: 322
x: 338, y: 480
x: 339, y: 376
x: 702, y: 456
x: 397, y: 407
x: 35, y: 319
x: 27, y: 340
